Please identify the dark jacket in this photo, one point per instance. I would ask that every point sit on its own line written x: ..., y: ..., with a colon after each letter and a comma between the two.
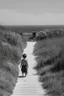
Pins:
x: 24, y: 65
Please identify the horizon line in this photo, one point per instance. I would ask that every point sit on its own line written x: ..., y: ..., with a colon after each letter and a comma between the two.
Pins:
x: 36, y: 25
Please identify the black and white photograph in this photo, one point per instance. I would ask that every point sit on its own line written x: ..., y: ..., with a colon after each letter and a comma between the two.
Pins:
x: 31, y: 47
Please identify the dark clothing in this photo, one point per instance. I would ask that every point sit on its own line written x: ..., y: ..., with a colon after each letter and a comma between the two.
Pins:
x: 24, y: 69
x: 24, y: 66
x: 24, y: 62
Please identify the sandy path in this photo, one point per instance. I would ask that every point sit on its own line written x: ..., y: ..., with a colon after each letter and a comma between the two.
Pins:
x: 29, y: 86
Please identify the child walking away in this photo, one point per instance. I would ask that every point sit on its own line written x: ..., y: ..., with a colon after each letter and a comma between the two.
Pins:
x: 24, y: 65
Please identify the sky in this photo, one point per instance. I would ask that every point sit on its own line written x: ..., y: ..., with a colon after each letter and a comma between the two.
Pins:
x: 32, y: 12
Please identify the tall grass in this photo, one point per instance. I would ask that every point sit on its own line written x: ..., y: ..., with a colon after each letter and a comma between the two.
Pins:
x: 50, y: 65
x: 11, y: 48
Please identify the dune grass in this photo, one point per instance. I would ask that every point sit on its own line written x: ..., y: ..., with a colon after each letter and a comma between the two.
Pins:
x: 50, y: 65
x: 11, y: 48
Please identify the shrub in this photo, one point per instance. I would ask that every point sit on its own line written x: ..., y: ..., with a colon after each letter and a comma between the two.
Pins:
x: 50, y: 65
x: 11, y: 48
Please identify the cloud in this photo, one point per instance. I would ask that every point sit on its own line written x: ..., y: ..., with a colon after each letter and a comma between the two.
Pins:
x: 11, y: 17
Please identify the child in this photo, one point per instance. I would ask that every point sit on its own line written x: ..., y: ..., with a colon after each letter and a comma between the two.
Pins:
x: 24, y: 65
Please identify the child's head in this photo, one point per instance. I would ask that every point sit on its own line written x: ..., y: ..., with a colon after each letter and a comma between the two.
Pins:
x: 24, y: 56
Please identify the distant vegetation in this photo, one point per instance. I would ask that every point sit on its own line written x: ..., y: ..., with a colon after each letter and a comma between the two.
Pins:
x: 42, y: 32
x: 11, y: 49
x: 49, y: 54
x: 49, y: 33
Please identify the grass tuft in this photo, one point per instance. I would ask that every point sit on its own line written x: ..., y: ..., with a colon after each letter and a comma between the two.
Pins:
x: 11, y: 48
x: 50, y: 65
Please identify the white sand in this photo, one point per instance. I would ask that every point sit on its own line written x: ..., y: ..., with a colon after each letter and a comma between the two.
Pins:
x: 29, y: 86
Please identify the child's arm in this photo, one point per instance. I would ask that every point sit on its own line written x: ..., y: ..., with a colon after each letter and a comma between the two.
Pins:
x: 21, y: 64
x: 27, y: 63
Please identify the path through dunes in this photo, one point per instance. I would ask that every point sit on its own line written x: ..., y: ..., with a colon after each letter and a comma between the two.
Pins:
x: 29, y: 86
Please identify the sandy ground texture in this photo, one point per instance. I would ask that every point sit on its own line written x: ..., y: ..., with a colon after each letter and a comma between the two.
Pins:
x: 29, y: 86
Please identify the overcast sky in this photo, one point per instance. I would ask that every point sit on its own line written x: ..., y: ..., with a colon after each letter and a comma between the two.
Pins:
x: 32, y: 12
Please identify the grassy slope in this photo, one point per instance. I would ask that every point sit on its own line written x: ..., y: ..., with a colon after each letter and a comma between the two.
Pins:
x: 50, y: 65
x: 11, y: 48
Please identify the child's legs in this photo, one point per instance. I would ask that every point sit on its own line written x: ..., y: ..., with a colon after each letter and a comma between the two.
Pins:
x: 22, y: 72
x: 26, y: 71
